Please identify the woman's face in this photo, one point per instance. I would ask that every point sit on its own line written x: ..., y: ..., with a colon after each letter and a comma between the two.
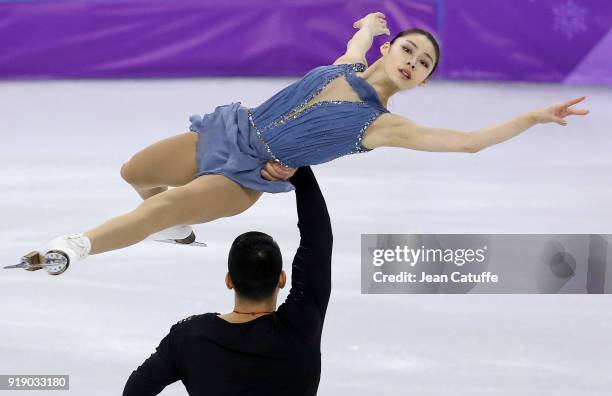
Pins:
x: 409, y: 60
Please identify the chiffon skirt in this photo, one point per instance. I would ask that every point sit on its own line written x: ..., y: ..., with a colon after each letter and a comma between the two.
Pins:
x: 228, y: 146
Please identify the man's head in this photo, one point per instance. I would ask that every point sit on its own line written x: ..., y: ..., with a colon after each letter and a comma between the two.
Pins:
x: 255, y: 267
x: 414, y: 51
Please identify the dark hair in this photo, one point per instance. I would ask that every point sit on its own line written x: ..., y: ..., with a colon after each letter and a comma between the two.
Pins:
x: 431, y: 38
x: 254, y: 264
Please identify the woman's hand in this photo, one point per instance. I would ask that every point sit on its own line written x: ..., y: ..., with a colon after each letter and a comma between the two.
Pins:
x: 274, y: 171
x: 375, y: 22
x: 558, y: 111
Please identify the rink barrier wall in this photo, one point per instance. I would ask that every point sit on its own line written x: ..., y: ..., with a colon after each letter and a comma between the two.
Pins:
x: 562, y: 41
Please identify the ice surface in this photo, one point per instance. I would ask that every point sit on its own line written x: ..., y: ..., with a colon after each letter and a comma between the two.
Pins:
x: 62, y: 147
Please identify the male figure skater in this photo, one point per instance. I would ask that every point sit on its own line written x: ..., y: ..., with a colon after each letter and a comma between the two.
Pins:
x: 255, y: 350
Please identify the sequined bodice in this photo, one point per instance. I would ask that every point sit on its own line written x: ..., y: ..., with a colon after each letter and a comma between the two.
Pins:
x: 298, y: 130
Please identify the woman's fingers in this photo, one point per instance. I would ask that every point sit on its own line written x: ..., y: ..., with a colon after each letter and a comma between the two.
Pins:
x: 565, y: 111
x: 375, y: 21
x: 578, y: 111
x: 556, y: 115
x: 573, y: 101
x: 558, y: 111
x: 384, y: 26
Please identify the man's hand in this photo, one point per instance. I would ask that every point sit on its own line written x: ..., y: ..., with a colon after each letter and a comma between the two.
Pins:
x: 375, y: 22
x: 274, y: 171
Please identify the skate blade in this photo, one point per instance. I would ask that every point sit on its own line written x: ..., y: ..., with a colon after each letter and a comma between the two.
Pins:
x: 29, y: 262
x: 54, y: 262
x: 172, y: 241
x: 24, y: 266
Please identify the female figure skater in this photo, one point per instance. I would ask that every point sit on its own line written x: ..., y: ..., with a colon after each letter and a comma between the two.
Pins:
x: 233, y: 155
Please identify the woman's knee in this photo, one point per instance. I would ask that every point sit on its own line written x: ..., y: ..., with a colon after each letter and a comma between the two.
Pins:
x: 127, y: 172
x: 135, y: 175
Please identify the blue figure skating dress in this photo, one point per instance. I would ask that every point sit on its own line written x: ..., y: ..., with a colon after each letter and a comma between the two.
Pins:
x: 236, y: 141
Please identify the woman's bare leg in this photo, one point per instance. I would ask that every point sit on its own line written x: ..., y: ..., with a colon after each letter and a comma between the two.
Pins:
x: 169, y: 162
x: 204, y: 199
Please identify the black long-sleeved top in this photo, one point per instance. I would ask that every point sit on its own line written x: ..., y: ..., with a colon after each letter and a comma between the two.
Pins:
x: 275, y: 354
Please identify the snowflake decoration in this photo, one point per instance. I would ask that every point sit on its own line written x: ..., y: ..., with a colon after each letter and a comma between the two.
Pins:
x: 569, y: 18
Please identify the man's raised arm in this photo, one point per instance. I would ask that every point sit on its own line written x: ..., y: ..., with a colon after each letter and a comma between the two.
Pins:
x: 311, y: 268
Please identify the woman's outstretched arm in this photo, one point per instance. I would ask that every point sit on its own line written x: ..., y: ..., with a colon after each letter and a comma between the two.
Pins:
x: 405, y: 133
x: 370, y: 26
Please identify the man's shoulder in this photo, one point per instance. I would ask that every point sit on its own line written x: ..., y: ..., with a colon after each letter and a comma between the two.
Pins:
x: 192, y: 320
x: 187, y: 319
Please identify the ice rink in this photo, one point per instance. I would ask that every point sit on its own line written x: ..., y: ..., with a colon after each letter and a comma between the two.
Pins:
x: 64, y: 142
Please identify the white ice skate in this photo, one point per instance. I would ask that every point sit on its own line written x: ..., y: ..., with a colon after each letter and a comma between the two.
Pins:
x: 56, y: 255
x: 179, y: 235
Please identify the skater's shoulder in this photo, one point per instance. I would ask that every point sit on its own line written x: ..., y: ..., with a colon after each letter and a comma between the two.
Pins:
x: 189, y: 320
x: 194, y: 320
